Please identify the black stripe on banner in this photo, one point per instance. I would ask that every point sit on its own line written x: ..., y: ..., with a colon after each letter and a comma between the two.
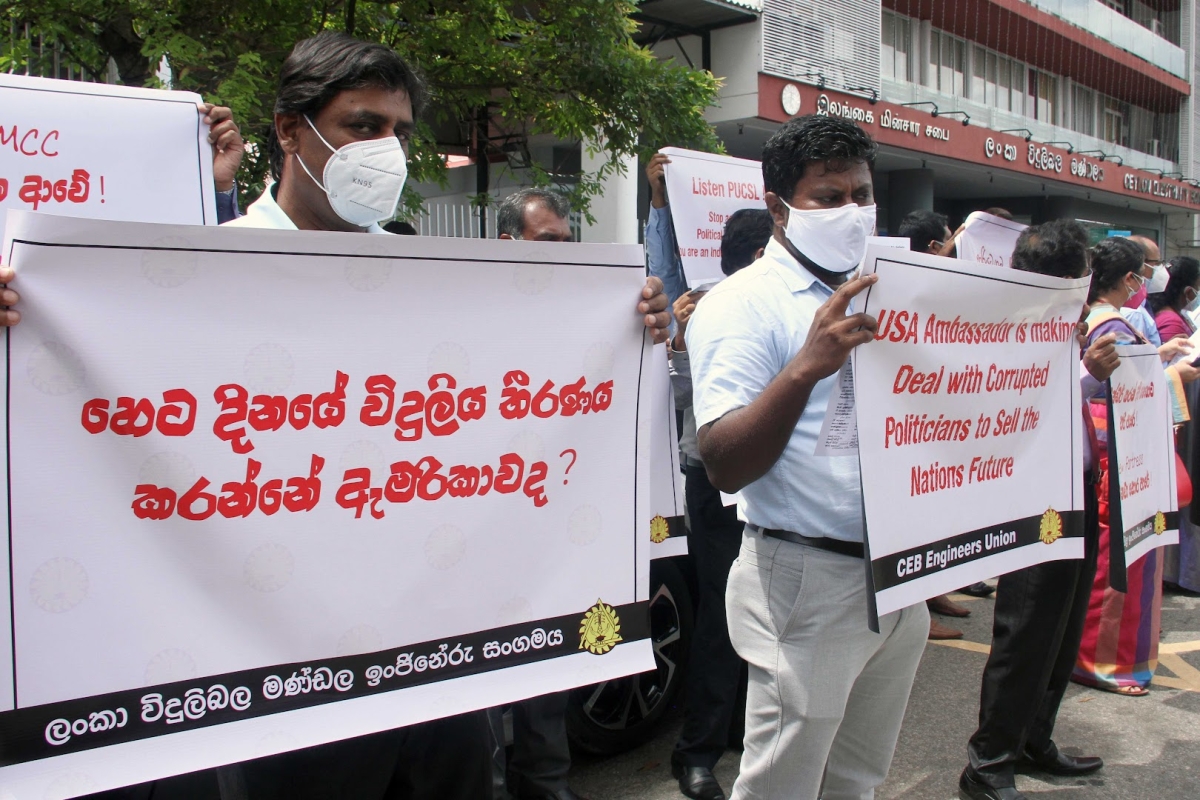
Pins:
x: 676, y: 527
x: 37, y: 732
x: 909, y: 565
x: 1145, y: 529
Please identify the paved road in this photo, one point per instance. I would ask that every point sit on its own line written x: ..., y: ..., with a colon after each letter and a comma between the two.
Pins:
x: 1151, y: 744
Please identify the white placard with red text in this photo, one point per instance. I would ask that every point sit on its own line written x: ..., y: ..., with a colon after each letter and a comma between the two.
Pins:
x: 1144, y: 439
x: 268, y: 488
x: 93, y: 150
x: 988, y: 239
x: 704, y: 190
x: 969, y: 423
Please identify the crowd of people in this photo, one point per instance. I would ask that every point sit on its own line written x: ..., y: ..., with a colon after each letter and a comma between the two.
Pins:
x: 782, y: 603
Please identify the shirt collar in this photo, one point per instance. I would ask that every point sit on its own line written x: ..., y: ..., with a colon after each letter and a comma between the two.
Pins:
x: 270, y: 215
x: 794, y: 275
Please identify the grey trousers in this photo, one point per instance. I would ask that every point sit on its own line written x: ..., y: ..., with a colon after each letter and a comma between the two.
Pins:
x: 826, y: 695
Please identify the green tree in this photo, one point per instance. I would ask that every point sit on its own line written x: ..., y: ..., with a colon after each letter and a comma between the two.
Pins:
x: 502, y: 72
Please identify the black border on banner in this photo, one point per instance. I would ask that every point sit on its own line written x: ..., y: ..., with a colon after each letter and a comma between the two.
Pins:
x: 189, y: 103
x: 872, y: 607
x: 637, y: 611
x: 25, y: 733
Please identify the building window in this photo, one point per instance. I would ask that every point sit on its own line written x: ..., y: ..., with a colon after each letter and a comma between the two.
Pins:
x: 1043, y: 97
x: 947, y: 64
x: 1114, y: 121
x: 893, y: 56
x: 1083, y: 110
x: 997, y: 81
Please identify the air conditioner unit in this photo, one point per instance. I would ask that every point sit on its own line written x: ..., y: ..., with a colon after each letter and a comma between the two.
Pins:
x: 1153, y: 147
x: 1156, y: 25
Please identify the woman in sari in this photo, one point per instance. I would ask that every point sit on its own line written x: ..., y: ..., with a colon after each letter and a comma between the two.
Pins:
x: 1119, y: 651
x: 1182, y: 562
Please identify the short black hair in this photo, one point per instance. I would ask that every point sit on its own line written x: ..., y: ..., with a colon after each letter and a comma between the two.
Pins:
x: 322, y: 66
x: 1002, y: 213
x: 1112, y: 259
x: 510, y: 217
x: 835, y: 142
x: 400, y: 228
x: 1185, y: 272
x: 746, y: 232
x: 922, y: 227
x: 1057, y: 248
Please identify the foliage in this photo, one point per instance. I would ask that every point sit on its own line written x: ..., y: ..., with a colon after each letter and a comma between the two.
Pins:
x: 562, y: 70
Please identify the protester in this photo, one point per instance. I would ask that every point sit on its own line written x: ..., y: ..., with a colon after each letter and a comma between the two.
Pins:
x: 926, y: 231
x: 1119, y: 648
x: 541, y: 756
x: 1181, y: 563
x: 826, y: 695
x: 228, y: 149
x: 1135, y: 310
x: 662, y: 252
x: 1181, y: 294
x: 714, y: 538
x: 1040, y: 609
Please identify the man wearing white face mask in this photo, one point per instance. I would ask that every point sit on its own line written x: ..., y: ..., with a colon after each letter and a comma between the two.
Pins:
x: 344, y: 115
x: 826, y: 695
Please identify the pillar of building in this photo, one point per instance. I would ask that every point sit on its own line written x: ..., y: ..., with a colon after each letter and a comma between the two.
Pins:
x: 908, y: 190
x: 615, y: 208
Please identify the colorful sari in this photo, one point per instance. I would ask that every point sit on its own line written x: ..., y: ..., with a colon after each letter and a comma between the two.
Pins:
x: 1121, y: 630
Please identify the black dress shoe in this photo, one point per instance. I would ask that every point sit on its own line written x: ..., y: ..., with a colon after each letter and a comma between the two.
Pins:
x: 980, y: 589
x: 697, y: 782
x: 1054, y: 762
x: 972, y: 787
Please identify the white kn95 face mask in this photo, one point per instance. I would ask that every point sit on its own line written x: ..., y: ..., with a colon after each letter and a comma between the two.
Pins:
x: 363, y: 180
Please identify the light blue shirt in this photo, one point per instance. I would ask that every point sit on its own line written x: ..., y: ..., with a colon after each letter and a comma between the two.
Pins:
x: 662, y: 256
x: 742, y: 335
x: 1143, y: 323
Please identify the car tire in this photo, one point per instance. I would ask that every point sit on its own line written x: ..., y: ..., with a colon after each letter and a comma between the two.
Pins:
x: 617, y: 715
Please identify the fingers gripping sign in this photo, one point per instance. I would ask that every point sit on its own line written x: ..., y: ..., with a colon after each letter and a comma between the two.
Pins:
x: 8, y: 298
x: 653, y: 307
x: 834, y: 333
x: 1101, y: 357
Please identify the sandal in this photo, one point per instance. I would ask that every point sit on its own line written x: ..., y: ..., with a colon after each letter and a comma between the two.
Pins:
x: 1131, y: 691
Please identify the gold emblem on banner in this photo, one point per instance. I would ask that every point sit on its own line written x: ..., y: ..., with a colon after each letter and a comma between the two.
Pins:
x: 1160, y: 524
x: 659, y: 529
x: 600, y: 629
x: 1051, y: 529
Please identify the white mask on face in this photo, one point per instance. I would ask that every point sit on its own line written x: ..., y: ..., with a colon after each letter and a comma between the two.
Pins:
x: 1193, y: 306
x: 363, y: 180
x: 1158, y: 282
x: 835, y: 239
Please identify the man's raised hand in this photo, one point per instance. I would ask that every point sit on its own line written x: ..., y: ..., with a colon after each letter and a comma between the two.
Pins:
x: 833, y: 334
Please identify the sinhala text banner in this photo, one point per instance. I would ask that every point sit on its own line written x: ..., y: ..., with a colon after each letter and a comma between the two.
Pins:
x: 273, y: 488
x: 93, y: 150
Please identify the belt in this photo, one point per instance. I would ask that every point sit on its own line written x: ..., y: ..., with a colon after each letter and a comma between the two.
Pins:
x: 852, y: 549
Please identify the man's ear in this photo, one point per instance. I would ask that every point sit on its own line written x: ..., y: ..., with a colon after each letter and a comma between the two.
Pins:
x: 778, y: 210
x: 287, y: 129
x: 759, y: 253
